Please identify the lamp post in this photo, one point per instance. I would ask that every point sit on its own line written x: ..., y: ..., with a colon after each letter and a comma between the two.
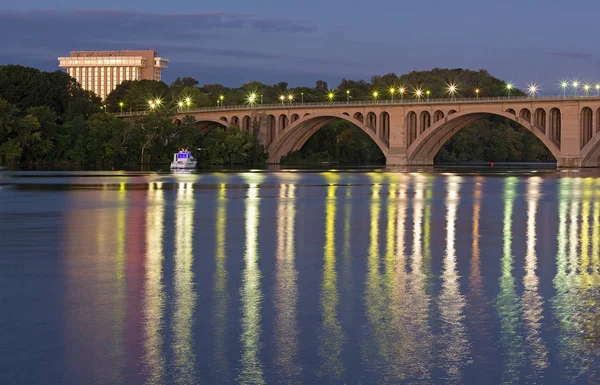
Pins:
x: 302, y: 96
x: 509, y: 87
x: 180, y: 105
x: 375, y: 95
x: 290, y: 98
x: 282, y: 98
x: 261, y: 99
x: 392, y: 91
x: 428, y: 93
x: 477, y: 93
x: 586, y: 88
x: 330, y: 96
x: 188, y: 102
x: 252, y: 99
x: 418, y: 93
x: 121, y: 104
x: 575, y: 85
x: 347, y: 96
x: 564, y: 85
x: 401, y: 90
x: 452, y: 90
x: 597, y: 89
x: 532, y: 90
x: 222, y: 99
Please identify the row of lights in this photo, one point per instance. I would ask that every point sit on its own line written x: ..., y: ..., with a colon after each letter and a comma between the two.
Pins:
x: 418, y: 93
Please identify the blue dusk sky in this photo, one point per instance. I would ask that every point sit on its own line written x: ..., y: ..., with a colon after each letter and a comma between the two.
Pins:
x: 232, y: 42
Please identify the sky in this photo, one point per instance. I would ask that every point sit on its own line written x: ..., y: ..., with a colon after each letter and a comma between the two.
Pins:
x: 234, y: 42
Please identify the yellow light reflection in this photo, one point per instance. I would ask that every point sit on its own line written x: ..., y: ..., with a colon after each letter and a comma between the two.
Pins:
x: 532, y: 301
x: 286, y: 290
x: 251, y: 296
x: 154, y: 301
x: 454, y: 341
x: 220, y: 285
x: 185, y: 297
x: 508, y: 301
x: 333, y: 336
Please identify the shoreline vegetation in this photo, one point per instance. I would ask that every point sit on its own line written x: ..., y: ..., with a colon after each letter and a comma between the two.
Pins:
x: 46, y: 118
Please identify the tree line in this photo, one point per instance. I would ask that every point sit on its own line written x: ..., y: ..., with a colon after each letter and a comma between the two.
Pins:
x: 46, y: 117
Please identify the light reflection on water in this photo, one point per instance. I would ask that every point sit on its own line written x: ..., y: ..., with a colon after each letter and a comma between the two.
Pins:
x: 304, y: 278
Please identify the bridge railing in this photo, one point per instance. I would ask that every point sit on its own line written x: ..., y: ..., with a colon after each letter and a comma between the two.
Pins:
x: 401, y: 102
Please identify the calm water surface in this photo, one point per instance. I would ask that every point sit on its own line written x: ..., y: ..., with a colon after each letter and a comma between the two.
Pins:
x: 300, y: 278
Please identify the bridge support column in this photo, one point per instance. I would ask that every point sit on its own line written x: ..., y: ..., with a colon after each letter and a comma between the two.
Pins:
x: 569, y: 162
x: 396, y: 160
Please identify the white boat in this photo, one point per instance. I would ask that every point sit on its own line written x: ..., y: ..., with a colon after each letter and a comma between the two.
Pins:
x: 183, y: 160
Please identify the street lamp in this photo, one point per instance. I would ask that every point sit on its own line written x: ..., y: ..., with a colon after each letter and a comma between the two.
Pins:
x: 597, y: 89
x: 402, y: 90
x: 302, y: 96
x: 152, y: 105
x: 222, y: 99
x: 375, y: 95
x: 252, y: 98
x: 158, y: 102
x: 586, y: 88
x: 180, y: 105
x: 290, y: 98
x: 452, y: 90
x: 347, y: 96
x: 477, y: 91
x: 261, y: 99
x: 418, y: 93
x: 509, y: 87
x: 564, y: 85
x: 575, y: 85
x: 428, y: 93
x: 282, y: 98
x: 331, y: 96
x: 188, y: 102
x: 532, y: 89
x: 392, y: 91
x: 121, y: 104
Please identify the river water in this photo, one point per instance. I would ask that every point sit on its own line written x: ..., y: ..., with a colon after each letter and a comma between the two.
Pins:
x: 446, y: 277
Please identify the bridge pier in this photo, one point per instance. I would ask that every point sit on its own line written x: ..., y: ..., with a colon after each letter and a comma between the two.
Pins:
x: 569, y: 162
x: 396, y: 160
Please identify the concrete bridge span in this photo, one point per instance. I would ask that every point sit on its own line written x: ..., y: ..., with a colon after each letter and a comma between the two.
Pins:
x: 411, y: 133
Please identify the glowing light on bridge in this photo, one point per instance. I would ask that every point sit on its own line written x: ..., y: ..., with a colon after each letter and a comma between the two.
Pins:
x: 532, y: 89
x: 252, y: 98
x: 151, y: 104
x: 401, y: 90
x: 597, y: 89
x: 575, y: 86
x: 509, y: 87
x: 180, y: 104
x: 375, y: 95
x: 586, y: 88
x: 121, y: 104
x: 282, y: 98
x: 428, y: 93
x: 331, y: 96
x: 477, y: 91
x: 392, y: 91
x: 564, y: 85
x: 418, y: 93
x: 188, y: 101
x: 452, y: 89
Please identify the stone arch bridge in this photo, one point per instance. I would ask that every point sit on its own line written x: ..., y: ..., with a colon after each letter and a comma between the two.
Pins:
x: 411, y: 133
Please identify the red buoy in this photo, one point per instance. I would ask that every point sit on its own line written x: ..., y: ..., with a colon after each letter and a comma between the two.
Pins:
x: 492, y: 164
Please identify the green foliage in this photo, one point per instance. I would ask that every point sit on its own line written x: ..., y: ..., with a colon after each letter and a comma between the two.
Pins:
x: 340, y: 142
x: 232, y: 146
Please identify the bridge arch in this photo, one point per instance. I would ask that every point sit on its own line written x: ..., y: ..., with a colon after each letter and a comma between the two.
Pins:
x: 294, y: 137
x: 598, y: 120
x: 205, y: 125
x: 235, y: 121
x: 539, y: 119
x: 411, y: 127
x: 358, y: 116
x: 555, y: 126
x: 424, y: 148
x: 372, y: 121
x: 525, y: 114
x: 437, y: 116
x: 586, y: 120
x: 271, y: 129
x: 294, y: 118
x: 384, y: 129
x: 511, y: 111
x: 246, y: 123
x: 283, y: 122
x: 425, y: 121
